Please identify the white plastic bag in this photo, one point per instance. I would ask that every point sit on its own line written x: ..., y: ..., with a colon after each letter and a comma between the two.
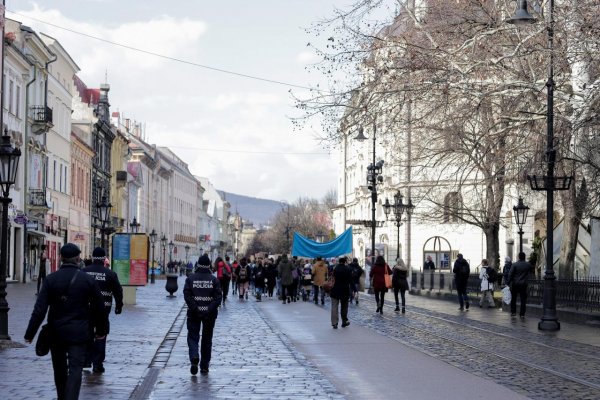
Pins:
x: 506, y: 295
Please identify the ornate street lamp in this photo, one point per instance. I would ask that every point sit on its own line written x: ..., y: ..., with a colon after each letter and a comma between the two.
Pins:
x: 163, y: 243
x: 9, y: 163
x: 134, y: 225
x: 520, y: 211
x: 171, y: 246
x: 374, y: 177
x: 187, y: 251
x: 153, y: 236
x: 103, y: 208
x: 398, y: 207
x: 549, y: 182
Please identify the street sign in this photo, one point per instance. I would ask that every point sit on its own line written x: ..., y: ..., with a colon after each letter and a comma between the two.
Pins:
x: 20, y: 219
x: 32, y: 226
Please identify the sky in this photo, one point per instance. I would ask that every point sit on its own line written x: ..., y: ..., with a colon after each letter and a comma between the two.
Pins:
x: 234, y: 130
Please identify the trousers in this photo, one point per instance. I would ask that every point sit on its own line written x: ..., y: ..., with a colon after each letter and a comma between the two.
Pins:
x: 67, y: 362
x: 193, y: 339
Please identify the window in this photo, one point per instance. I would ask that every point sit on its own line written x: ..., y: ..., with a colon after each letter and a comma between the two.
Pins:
x: 54, y: 177
x: 452, y: 207
x: 18, y: 102
x: 11, y: 90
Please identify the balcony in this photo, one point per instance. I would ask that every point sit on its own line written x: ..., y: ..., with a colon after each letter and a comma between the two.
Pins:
x: 41, y: 117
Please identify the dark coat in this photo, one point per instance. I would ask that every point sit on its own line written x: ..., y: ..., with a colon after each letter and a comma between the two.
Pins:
x: 271, y: 274
x: 202, y: 293
x: 109, y: 285
x: 519, y: 273
x: 259, y: 276
x: 341, y: 285
x: 377, y: 273
x: 460, y: 278
x: 399, y: 276
x: 71, y: 321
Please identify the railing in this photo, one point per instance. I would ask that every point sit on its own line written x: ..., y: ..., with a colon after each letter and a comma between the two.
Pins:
x: 37, y: 198
x: 40, y: 114
x: 581, y: 294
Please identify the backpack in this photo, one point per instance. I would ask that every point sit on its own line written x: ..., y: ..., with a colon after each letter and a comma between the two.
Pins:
x: 464, y: 268
x: 225, y: 271
x: 243, y: 272
x: 492, y: 274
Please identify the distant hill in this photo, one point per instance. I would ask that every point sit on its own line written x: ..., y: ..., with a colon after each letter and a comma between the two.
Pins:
x: 258, y: 211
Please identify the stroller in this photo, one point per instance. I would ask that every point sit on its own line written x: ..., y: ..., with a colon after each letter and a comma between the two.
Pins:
x: 306, y: 283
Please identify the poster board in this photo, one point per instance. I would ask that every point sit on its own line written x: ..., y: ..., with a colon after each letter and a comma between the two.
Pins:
x: 130, y: 254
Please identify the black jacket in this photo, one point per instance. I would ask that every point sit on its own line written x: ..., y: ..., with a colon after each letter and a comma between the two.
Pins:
x: 202, y: 294
x: 71, y: 320
x: 519, y: 273
x: 109, y: 284
x: 459, y: 265
x: 341, y: 286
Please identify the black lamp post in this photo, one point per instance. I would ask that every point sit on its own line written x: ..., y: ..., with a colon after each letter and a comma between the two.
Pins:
x: 398, y: 207
x: 103, y: 208
x: 171, y: 246
x: 134, y: 225
x: 187, y: 252
x: 548, y: 183
x: 373, y: 178
x: 9, y: 163
x: 163, y: 243
x: 153, y: 236
x: 520, y: 211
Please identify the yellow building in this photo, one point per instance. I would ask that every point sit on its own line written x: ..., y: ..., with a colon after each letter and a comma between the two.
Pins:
x: 120, y: 155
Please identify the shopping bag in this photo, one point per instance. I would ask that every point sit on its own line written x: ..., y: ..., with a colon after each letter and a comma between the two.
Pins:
x: 506, y: 295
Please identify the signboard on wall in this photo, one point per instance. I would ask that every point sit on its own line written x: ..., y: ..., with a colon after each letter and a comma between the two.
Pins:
x: 130, y: 258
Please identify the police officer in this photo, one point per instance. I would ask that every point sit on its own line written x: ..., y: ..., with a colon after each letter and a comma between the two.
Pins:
x: 109, y: 284
x: 76, y: 311
x: 203, y: 295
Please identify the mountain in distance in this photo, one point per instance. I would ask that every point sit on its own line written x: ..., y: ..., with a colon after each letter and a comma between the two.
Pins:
x: 258, y: 211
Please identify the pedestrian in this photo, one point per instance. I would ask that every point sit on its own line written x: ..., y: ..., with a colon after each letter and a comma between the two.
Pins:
x: 400, y: 283
x: 234, y: 266
x: 76, y: 313
x: 110, y: 287
x: 203, y: 295
x: 462, y: 271
x: 517, y: 280
x: 319, y: 274
x: 224, y: 276
x: 242, y: 274
x: 487, y: 287
x: 285, y: 274
x: 259, y: 280
x: 271, y: 275
x: 356, y: 271
x: 340, y: 293
x: 378, y: 274
x: 42, y: 268
x: 506, y: 269
x: 428, y: 265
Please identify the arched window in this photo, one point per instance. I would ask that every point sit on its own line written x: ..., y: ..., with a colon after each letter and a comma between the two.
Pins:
x: 452, y: 207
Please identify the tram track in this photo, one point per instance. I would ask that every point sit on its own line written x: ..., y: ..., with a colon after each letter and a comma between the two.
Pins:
x: 443, y: 338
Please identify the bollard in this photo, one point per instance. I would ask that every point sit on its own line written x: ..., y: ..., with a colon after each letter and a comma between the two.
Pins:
x: 171, y: 285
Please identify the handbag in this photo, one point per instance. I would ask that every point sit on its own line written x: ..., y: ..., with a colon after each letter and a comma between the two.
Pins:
x: 387, y: 277
x: 328, y: 285
x: 42, y: 346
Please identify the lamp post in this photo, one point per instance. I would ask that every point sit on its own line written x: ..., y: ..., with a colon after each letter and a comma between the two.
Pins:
x: 9, y: 163
x: 163, y: 243
x: 287, y: 226
x: 398, y: 207
x: 171, y: 246
x: 134, y: 225
x: 373, y: 178
x: 103, y: 208
x: 548, y: 183
x: 187, y: 251
x: 153, y: 236
x: 520, y: 211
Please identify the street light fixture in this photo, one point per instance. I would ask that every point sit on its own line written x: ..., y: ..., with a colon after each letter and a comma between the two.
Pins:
x: 103, y: 208
x: 153, y: 236
x: 374, y: 177
x: 520, y: 211
x: 134, y: 225
x: 9, y: 163
x: 398, y: 207
x: 171, y: 246
x: 549, y: 182
x: 163, y: 243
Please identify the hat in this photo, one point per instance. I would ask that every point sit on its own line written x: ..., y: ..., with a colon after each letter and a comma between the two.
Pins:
x: 204, y: 260
x: 69, y: 250
x: 99, y: 253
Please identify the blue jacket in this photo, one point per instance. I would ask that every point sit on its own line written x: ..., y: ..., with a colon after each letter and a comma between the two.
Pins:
x: 202, y: 294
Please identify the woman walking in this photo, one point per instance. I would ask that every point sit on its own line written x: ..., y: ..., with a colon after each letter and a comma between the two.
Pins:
x: 400, y: 283
x: 378, y: 272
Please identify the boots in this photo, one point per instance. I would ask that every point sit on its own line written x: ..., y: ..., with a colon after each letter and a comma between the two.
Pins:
x: 397, y: 308
x: 403, y: 310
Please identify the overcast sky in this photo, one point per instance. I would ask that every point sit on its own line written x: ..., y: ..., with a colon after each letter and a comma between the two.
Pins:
x: 233, y: 130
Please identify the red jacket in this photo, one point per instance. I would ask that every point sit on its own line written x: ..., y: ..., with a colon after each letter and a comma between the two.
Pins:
x: 377, y: 273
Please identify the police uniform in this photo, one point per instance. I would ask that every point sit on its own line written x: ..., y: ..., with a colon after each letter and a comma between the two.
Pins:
x: 203, y: 295
x: 110, y: 287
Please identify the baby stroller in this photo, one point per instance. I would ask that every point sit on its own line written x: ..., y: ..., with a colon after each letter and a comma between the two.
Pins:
x: 306, y: 284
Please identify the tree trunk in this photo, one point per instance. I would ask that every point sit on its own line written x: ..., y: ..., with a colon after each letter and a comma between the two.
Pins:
x: 573, y: 202
x: 492, y: 244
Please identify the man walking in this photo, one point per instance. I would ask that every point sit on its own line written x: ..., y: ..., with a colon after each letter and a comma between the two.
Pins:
x: 203, y: 295
x: 340, y: 293
x: 517, y: 280
x: 76, y: 310
x: 462, y: 270
x: 110, y: 287
x: 285, y: 273
x: 242, y: 273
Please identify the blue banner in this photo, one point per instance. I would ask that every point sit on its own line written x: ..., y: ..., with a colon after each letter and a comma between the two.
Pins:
x: 304, y: 247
